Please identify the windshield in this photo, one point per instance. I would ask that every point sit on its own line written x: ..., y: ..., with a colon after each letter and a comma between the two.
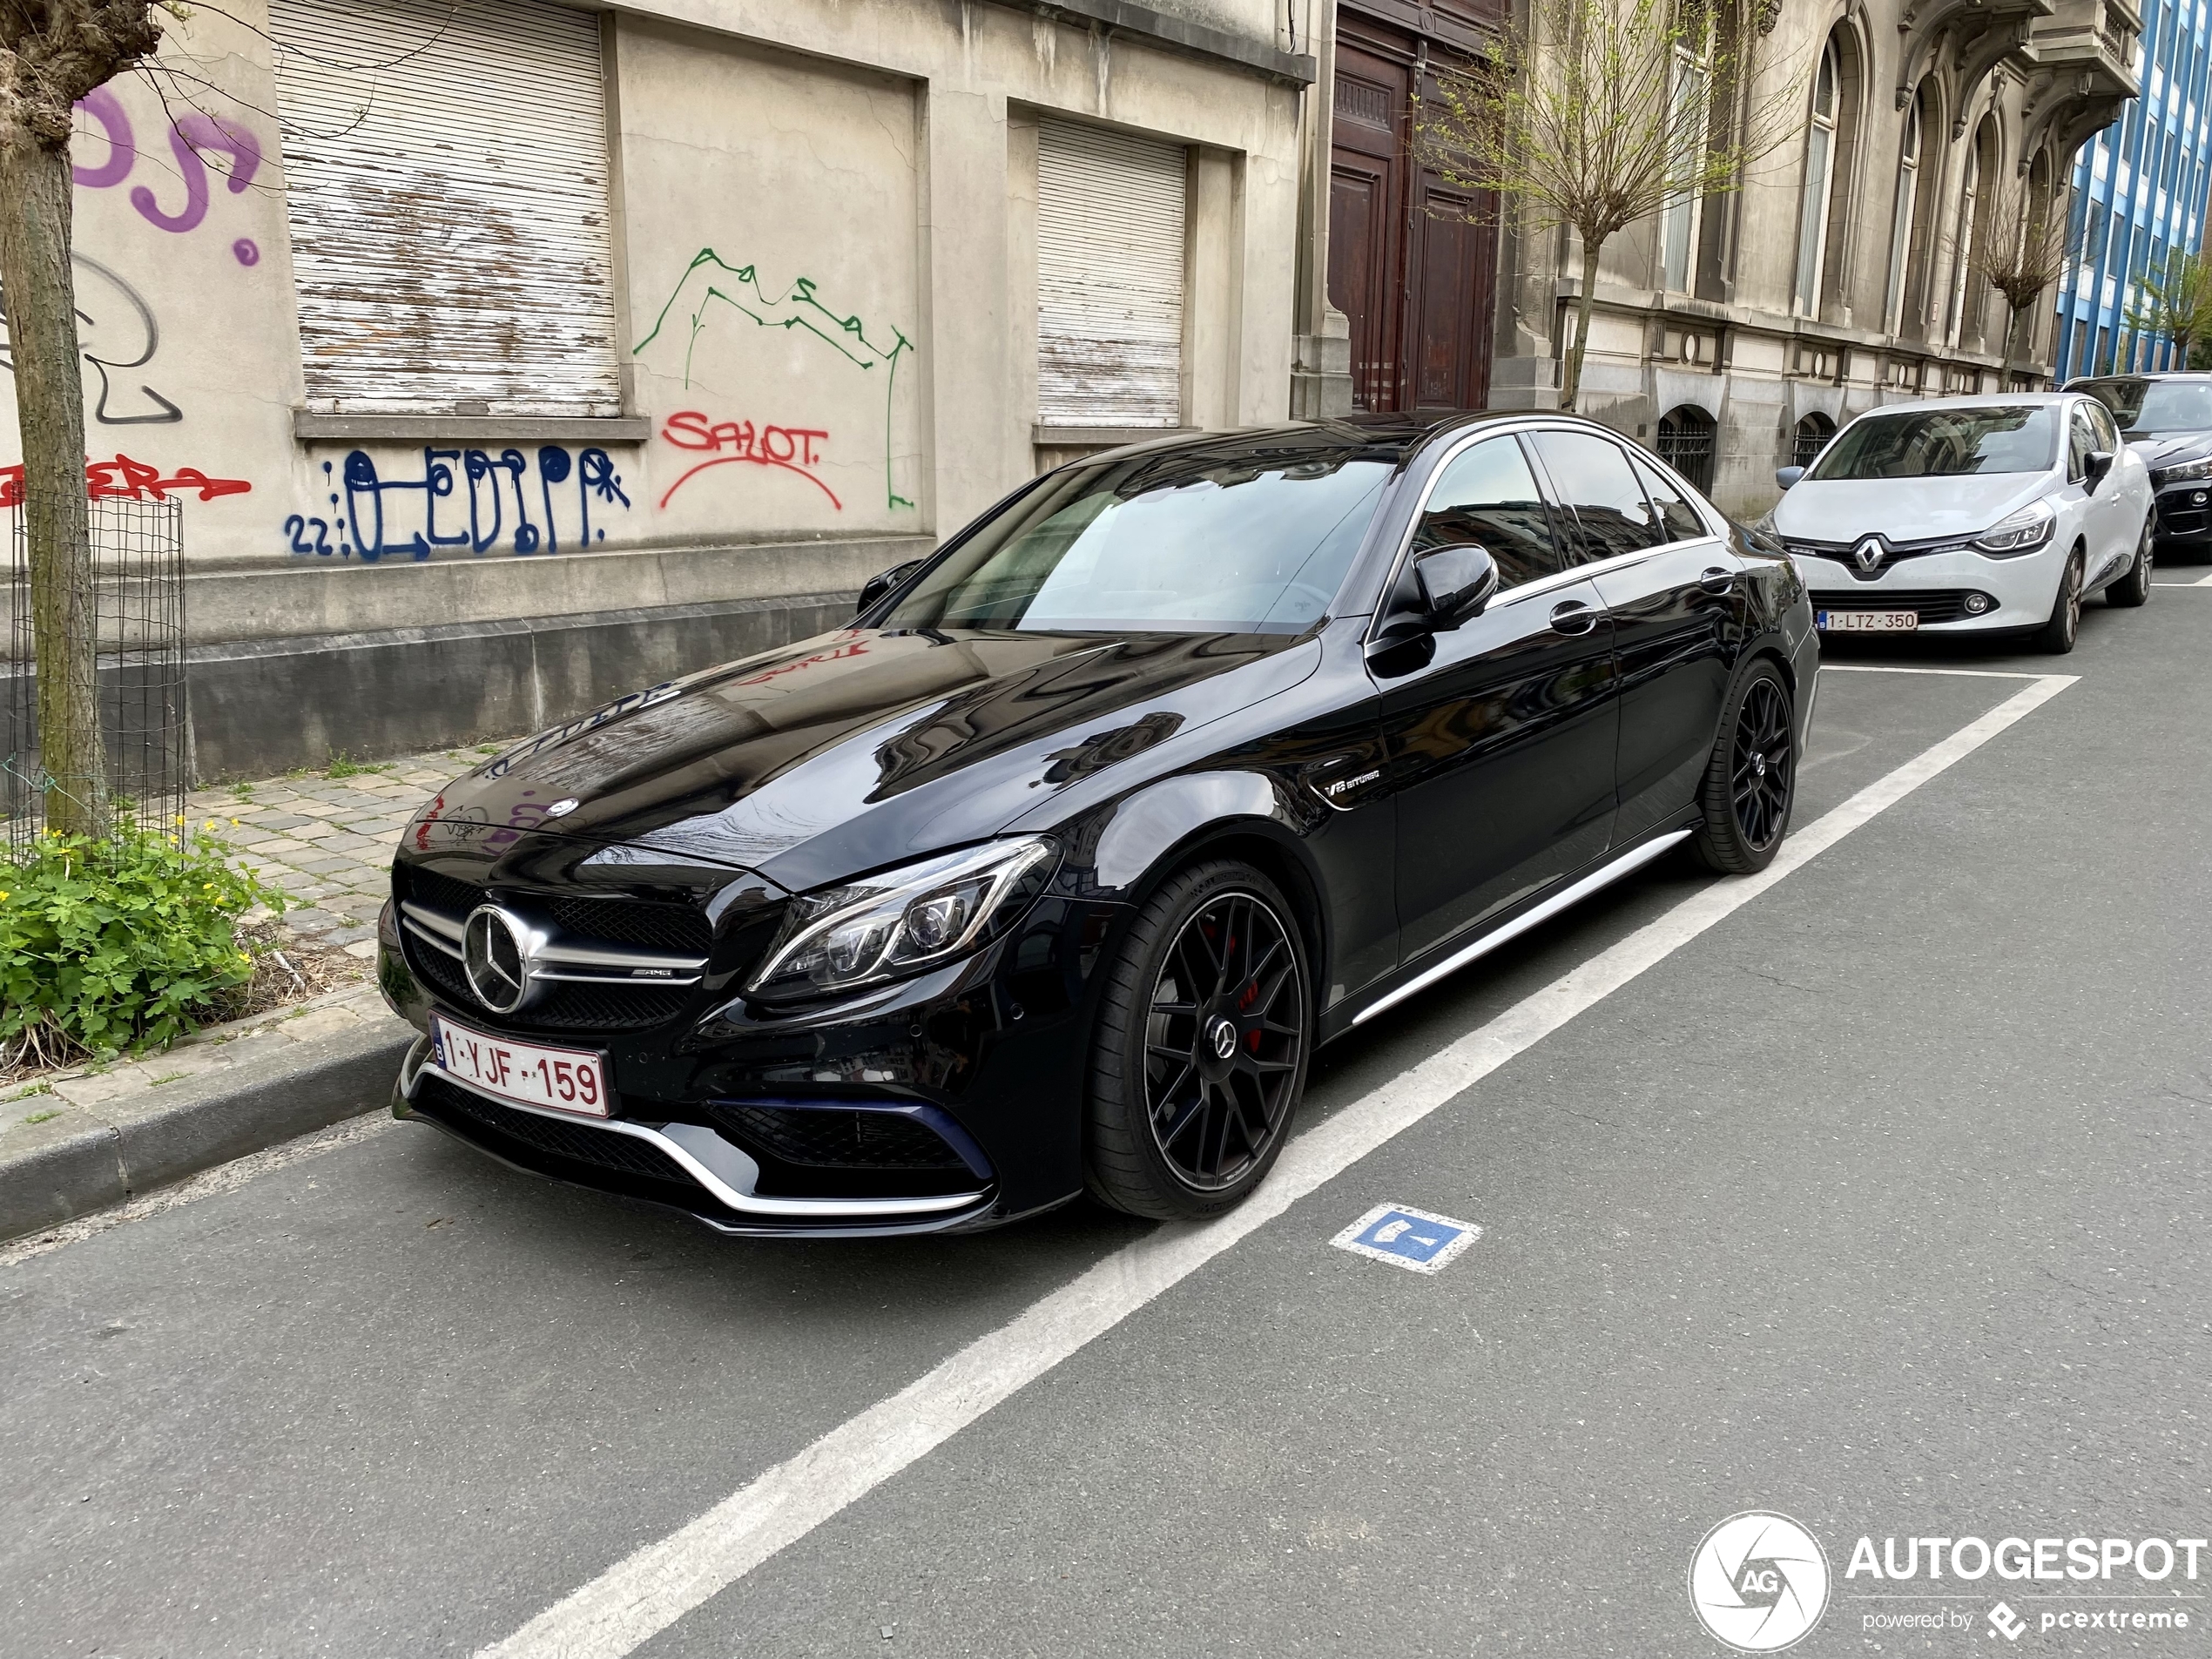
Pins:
x: 1256, y: 541
x: 1931, y: 443
x: 2145, y: 407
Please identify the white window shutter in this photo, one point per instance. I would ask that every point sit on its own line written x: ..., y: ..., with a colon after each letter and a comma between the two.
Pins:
x: 446, y: 171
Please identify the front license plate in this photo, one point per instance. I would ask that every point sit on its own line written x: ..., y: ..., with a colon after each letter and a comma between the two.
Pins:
x: 568, y: 1080
x: 1866, y: 622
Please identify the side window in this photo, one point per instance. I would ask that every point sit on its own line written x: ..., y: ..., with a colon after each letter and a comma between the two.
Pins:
x: 1592, y: 477
x: 2079, y: 441
x: 1487, y: 494
x: 1681, y: 520
x: 2100, y: 422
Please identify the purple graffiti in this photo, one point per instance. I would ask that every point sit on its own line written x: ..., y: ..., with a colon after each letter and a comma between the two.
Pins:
x: 245, y: 251
x: 103, y: 107
x: 193, y: 137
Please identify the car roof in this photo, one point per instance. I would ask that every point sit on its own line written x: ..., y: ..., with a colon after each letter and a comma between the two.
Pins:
x: 1394, y: 438
x: 2083, y: 383
x: 1982, y: 400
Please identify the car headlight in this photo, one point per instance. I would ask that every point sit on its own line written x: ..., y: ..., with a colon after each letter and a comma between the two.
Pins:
x: 2200, y: 467
x: 2020, y: 532
x: 904, y: 920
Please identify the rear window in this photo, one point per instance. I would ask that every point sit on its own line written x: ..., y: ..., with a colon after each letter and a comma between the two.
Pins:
x: 1942, y: 443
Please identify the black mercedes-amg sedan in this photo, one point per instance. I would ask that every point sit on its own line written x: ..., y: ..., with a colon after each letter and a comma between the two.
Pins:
x: 1050, y: 872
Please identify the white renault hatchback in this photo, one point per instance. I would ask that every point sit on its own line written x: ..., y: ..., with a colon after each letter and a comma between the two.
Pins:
x: 1969, y: 515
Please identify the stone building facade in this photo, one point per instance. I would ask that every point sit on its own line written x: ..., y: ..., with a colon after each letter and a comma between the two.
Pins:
x: 508, y: 355
x: 1838, y: 278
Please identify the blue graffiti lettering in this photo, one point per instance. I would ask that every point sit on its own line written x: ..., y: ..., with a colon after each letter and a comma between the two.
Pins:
x: 386, y: 515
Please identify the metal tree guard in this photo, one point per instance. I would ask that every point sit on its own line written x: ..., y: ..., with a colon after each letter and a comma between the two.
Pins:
x: 138, y: 575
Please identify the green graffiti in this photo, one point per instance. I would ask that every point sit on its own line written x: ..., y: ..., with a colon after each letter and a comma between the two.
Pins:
x: 847, y: 336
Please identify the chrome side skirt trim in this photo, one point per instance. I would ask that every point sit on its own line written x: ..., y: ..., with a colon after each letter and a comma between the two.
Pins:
x: 1628, y: 862
x: 731, y: 1187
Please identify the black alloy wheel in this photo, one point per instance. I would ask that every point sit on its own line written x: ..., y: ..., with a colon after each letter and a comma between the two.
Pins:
x: 2059, y: 634
x: 1751, y: 782
x: 1203, y: 1034
x: 2133, y: 588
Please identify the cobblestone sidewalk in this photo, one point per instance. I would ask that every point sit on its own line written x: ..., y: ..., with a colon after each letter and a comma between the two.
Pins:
x: 329, y: 842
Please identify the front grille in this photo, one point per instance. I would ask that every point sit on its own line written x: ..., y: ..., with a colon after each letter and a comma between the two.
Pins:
x: 1841, y: 552
x: 831, y: 1138
x: 578, y: 1143
x: 2177, y: 517
x: 442, y: 893
x: 559, y: 1005
x: 1931, y: 604
x: 634, y: 921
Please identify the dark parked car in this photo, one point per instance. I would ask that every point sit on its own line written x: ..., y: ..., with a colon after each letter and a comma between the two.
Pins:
x: 2167, y: 419
x: 1053, y: 870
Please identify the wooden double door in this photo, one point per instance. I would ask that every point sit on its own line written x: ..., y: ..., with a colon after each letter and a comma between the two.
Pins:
x: 1412, y: 260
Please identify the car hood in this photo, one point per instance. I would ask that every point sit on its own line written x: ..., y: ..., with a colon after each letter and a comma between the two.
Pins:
x: 851, y: 751
x: 1903, y: 509
x: 2165, y: 448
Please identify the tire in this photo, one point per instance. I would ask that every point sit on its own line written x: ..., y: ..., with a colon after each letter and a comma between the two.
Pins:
x: 1752, y: 780
x: 2059, y: 634
x: 2133, y: 586
x: 1174, y: 1130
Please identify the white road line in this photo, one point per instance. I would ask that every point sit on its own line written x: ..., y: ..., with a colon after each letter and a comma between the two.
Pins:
x: 2202, y: 582
x: 649, y: 1590
x: 1962, y: 673
x: 225, y: 1177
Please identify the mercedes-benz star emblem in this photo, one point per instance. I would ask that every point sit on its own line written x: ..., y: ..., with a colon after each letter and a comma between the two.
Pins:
x: 1224, y: 1038
x: 492, y: 956
x: 563, y: 808
x: 1869, y: 553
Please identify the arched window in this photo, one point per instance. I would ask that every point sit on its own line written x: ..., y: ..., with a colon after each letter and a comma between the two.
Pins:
x: 1686, y: 444
x: 1812, y: 436
x: 1968, y: 296
x: 1679, y: 221
x: 1820, y: 177
x: 1908, y: 197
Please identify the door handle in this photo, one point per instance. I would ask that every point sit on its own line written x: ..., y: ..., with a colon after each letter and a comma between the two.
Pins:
x: 1573, y: 616
x: 1717, y: 580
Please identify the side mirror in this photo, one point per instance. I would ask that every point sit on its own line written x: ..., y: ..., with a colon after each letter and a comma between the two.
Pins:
x: 1456, y: 582
x: 882, y: 583
x: 1788, y: 476
x: 2094, y: 465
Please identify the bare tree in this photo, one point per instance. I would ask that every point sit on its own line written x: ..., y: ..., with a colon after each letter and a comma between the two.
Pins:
x: 52, y: 52
x: 2178, y: 305
x: 1598, y: 113
x: 2021, y: 268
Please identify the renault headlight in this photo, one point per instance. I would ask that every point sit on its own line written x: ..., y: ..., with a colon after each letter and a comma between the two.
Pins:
x: 2181, y: 471
x: 2020, y: 532
x: 904, y: 920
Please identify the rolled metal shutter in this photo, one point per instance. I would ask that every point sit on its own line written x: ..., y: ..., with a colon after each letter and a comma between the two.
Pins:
x: 446, y: 171
x: 1110, y: 278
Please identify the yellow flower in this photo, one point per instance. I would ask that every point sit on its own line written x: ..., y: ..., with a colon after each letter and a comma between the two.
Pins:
x: 180, y: 818
x: 233, y: 823
x: 2, y: 896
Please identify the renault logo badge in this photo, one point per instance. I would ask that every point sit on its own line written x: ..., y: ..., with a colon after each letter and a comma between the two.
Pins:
x: 1869, y: 553
x: 491, y: 954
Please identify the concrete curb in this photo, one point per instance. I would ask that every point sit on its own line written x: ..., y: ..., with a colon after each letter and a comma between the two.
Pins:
x: 89, y: 1157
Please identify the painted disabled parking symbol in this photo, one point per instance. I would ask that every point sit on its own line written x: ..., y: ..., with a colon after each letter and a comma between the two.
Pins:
x: 1405, y: 1236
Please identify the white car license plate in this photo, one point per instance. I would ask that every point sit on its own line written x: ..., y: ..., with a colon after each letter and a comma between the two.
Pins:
x: 1866, y: 622
x: 568, y: 1080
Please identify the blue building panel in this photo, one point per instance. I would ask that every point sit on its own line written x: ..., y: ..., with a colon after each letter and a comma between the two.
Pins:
x: 2139, y: 200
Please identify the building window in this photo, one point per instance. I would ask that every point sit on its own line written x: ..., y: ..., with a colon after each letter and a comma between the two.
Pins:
x: 449, y: 216
x: 1812, y: 434
x: 1908, y: 196
x: 1967, y: 297
x: 1820, y: 171
x: 1679, y: 220
x: 1686, y: 444
x: 1110, y: 278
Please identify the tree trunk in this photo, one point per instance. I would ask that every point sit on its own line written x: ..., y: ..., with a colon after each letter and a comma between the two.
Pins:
x: 41, y: 301
x: 1572, y: 390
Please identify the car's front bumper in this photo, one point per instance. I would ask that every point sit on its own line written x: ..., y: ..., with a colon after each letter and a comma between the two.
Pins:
x: 2182, y: 521
x: 1938, y: 588
x: 722, y: 1114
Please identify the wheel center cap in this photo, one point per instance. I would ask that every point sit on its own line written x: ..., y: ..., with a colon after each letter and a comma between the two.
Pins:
x: 1758, y: 765
x: 1221, y: 1038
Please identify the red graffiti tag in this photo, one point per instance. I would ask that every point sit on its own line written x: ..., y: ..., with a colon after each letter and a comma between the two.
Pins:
x: 124, y: 479
x: 838, y: 655
x: 789, y: 447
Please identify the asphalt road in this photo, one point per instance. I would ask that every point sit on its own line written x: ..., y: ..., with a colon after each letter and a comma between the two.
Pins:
x: 1881, y: 1203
